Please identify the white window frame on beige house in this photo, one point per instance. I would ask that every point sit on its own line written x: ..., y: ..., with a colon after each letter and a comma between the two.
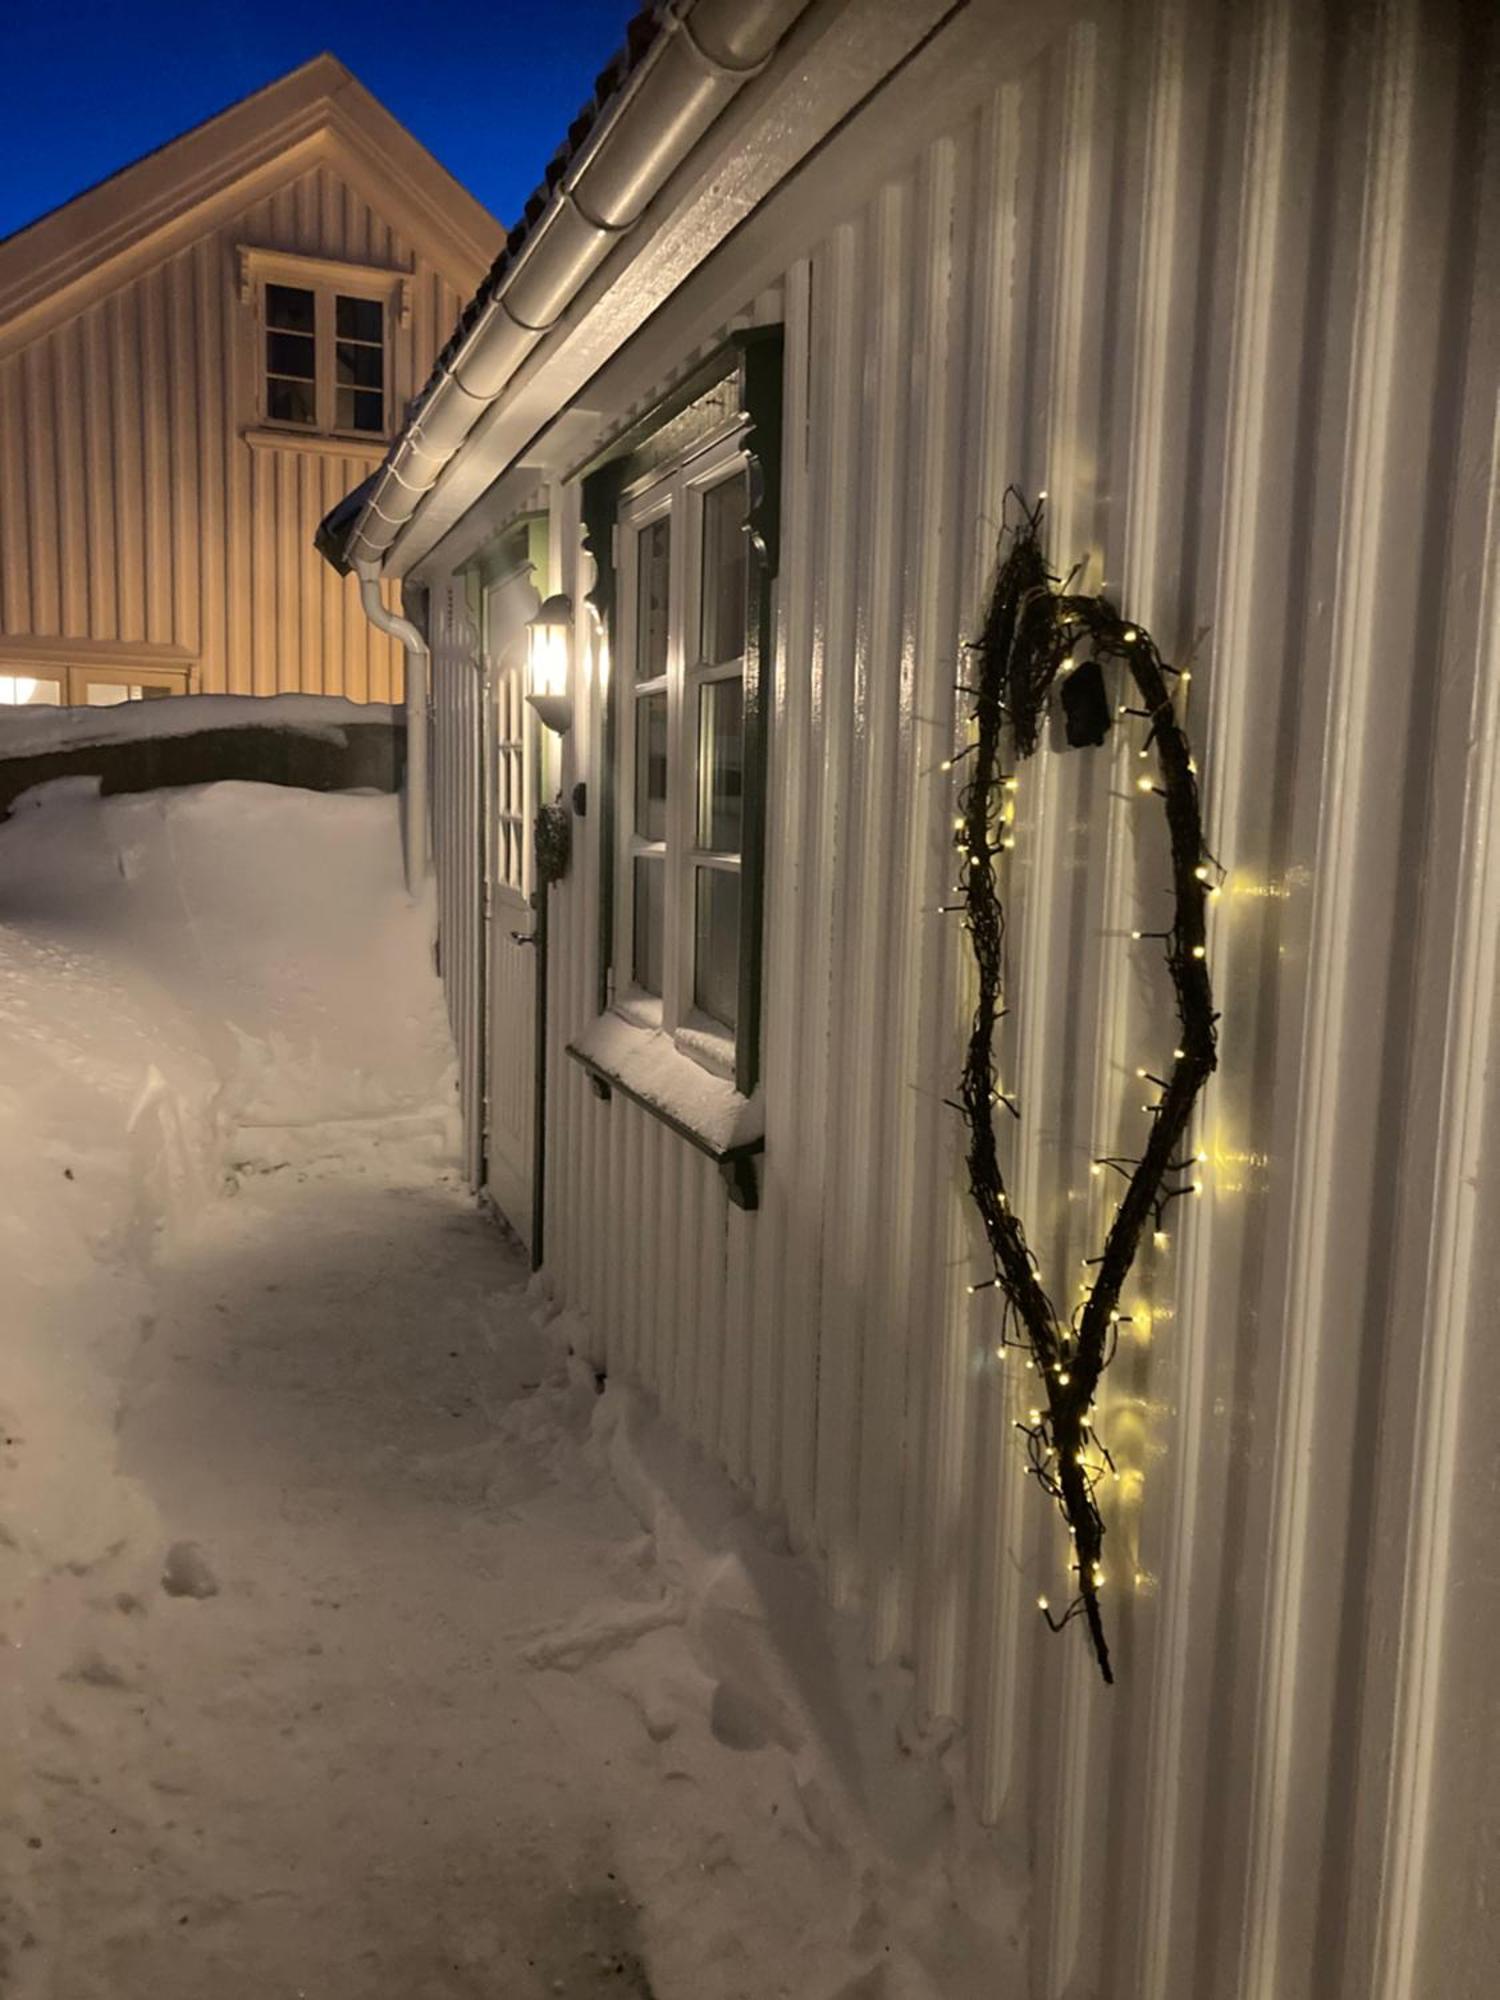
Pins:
x: 56, y: 674
x: 329, y: 281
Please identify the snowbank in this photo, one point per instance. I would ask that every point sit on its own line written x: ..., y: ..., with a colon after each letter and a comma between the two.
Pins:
x: 27, y: 731
x: 190, y: 982
x: 264, y: 929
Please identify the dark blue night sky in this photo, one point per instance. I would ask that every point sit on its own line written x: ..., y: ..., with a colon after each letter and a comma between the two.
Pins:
x: 87, y: 87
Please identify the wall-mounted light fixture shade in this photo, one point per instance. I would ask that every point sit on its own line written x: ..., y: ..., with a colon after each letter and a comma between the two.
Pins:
x: 549, y: 649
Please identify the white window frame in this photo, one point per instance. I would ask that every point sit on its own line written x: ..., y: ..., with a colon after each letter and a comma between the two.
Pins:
x: 678, y: 493
x: 72, y: 677
x: 328, y: 281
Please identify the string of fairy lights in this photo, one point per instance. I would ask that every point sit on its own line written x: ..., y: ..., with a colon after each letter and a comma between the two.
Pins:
x: 1035, y: 631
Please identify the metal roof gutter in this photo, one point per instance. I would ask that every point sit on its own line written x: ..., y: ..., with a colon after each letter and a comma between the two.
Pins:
x: 703, y: 55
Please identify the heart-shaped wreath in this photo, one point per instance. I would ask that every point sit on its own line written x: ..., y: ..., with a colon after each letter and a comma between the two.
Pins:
x: 1035, y: 630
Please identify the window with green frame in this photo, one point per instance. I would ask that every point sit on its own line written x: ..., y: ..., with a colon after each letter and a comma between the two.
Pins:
x: 681, y: 519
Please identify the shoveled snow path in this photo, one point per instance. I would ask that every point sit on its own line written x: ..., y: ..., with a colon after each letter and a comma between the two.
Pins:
x: 352, y: 1644
x: 440, y: 1732
x: 336, y: 1777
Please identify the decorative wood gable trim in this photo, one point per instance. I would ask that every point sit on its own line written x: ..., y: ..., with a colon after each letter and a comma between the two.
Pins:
x: 294, y: 267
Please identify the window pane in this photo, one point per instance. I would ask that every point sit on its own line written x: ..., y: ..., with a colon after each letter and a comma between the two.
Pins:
x: 291, y: 307
x: 29, y: 691
x: 651, y: 766
x: 358, y: 319
x: 362, y: 367
x: 653, y: 576
x: 721, y: 764
x: 360, y: 410
x: 716, y: 959
x: 291, y: 354
x: 650, y: 922
x: 289, y: 402
x: 723, y: 621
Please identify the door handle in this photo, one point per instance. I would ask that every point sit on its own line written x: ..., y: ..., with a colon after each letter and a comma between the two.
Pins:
x: 523, y: 937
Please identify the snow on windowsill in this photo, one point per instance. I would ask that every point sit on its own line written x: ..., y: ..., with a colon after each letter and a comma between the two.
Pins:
x: 648, y: 1064
x: 28, y: 731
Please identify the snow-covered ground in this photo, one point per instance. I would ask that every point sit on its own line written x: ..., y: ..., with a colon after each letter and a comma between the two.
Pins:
x: 355, y: 1644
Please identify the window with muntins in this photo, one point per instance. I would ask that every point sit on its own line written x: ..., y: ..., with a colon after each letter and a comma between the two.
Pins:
x: 325, y: 362
x: 680, y: 781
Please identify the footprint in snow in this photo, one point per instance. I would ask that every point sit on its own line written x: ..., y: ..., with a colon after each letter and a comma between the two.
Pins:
x: 187, y: 1573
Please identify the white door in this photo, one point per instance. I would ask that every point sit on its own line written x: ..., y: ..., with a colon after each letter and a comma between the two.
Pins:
x: 510, y: 1072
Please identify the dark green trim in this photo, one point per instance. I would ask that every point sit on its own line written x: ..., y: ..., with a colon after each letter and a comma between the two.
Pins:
x: 639, y: 441
x: 761, y: 400
x: 748, y: 370
x: 735, y: 1163
x: 601, y: 507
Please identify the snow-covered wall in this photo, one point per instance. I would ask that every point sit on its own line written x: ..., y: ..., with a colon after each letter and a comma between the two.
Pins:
x: 1222, y: 281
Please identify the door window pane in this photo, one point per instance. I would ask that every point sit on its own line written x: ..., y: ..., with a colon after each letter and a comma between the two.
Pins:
x: 721, y: 765
x: 653, y: 577
x: 716, y: 967
x: 29, y: 691
x: 649, y: 930
x: 651, y: 766
x: 722, y: 635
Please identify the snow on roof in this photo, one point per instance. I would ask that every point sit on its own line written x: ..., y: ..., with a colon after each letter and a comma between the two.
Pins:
x: 29, y: 732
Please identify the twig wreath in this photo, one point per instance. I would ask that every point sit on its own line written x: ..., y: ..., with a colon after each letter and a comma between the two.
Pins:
x: 1034, y: 631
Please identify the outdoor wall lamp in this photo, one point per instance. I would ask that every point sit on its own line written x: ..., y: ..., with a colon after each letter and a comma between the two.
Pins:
x: 549, y: 650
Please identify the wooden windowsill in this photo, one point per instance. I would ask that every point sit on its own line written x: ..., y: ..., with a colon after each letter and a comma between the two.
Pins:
x: 27, y: 649
x: 736, y: 1163
x: 266, y: 437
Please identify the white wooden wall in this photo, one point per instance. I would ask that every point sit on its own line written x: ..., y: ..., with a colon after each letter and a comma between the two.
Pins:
x: 131, y: 508
x: 1223, y: 282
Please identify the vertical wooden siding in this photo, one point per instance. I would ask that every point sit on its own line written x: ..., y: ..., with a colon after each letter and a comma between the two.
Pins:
x: 132, y: 509
x: 1225, y: 282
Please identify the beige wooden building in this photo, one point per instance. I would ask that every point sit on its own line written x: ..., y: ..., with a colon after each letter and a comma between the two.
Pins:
x: 197, y: 357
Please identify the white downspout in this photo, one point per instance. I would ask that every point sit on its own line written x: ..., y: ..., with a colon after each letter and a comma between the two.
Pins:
x: 414, y: 800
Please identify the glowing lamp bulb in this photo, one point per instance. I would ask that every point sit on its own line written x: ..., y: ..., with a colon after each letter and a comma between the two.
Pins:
x: 549, y: 648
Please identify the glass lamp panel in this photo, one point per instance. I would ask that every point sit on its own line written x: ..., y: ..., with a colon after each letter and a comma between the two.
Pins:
x: 721, y: 765
x: 653, y: 580
x: 716, y: 945
x: 722, y: 619
x: 649, y: 926
x: 651, y: 766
